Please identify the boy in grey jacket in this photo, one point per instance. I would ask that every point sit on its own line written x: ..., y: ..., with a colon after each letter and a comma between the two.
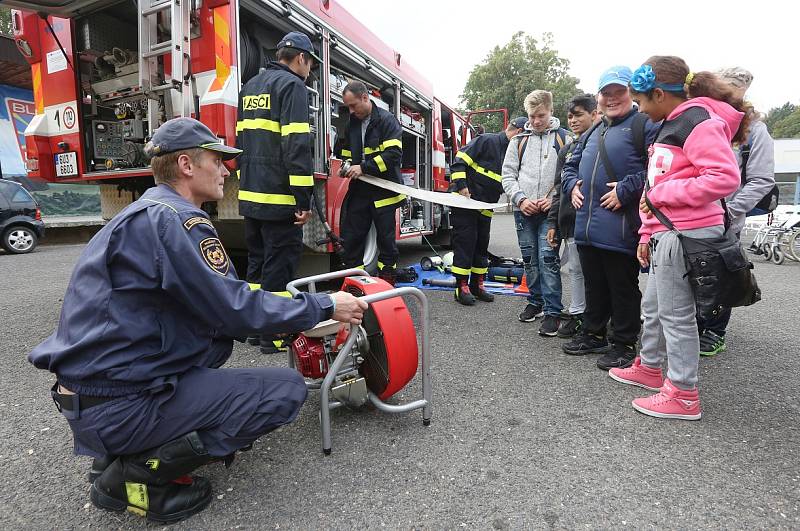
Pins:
x: 529, y: 170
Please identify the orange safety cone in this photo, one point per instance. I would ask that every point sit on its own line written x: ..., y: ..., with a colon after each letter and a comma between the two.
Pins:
x: 523, y: 286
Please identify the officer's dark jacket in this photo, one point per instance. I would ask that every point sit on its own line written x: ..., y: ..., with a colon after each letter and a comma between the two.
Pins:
x: 478, y: 166
x: 613, y: 230
x: 380, y: 157
x: 275, y: 169
x: 153, y: 295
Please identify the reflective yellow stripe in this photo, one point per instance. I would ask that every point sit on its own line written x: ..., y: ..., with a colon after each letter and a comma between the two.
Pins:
x: 458, y: 175
x: 487, y: 213
x: 137, y: 495
x: 282, y: 294
x: 360, y: 266
x: 389, y: 201
x: 254, y: 287
x: 389, y: 143
x: 237, y: 175
x: 392, y: 142
x: 379, y: 161
x: 267, y: 199
x: 258, y: 123
x: 480, y: 270
x: 301, y: 180
x: 347, y: 153
x: 459, y: 270
x: 295, y: 127
x: 381, y: 265
x: 466, y: 158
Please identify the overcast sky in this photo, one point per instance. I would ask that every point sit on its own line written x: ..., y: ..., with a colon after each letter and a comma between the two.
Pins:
x: 445, y: 39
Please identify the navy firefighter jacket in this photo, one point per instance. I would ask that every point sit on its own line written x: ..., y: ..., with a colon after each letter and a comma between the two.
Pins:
x: 154, y: 294
x: 478, y: 166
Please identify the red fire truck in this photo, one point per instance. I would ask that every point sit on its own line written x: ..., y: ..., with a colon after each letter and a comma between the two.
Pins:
x: 107, y: 73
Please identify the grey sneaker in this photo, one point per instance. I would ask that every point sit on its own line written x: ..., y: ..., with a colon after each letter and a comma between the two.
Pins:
x: 549, y: 326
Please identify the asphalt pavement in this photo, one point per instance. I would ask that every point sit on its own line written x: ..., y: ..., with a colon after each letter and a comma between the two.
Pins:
x: 522, y: 437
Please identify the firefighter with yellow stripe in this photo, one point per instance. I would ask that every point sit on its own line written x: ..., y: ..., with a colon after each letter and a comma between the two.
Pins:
x: 276, y: 179
x: 372, y: 142
x: 475, y: 173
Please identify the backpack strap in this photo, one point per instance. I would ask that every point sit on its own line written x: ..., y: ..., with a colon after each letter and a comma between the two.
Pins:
x: 744, y: 153
x: 523, y: 145
x: 561, y: 139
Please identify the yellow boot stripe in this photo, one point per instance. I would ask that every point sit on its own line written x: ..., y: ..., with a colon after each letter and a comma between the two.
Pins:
x: 137, y: 495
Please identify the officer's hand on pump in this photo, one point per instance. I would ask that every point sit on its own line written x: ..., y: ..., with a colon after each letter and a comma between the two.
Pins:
x: 464, y: 191
x: 354, y: 172
x: 528, y: 207
x: 349, y: 309
x: 302, y: 217
x: 577, y: 196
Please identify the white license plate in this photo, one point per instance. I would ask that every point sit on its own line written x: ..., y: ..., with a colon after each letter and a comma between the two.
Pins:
x: 66, y: 164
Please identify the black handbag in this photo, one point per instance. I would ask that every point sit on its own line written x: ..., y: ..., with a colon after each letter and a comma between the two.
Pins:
x: 719, y: 272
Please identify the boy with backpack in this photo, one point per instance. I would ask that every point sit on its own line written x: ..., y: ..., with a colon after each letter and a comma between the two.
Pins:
x: 605, y: 178
x: 529, y: 171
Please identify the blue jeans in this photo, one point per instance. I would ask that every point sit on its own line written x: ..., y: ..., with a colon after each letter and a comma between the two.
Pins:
x: 542, y: 266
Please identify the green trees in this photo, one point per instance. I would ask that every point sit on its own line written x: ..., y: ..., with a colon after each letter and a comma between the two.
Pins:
x: 784, y: 121
x: 510, y: 72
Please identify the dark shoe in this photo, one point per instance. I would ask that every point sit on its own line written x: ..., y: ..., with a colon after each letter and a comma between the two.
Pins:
x: 254, y: 340
x: 585, y: 343
x: 99, y: 466
x: 154, y: 484
x: 271, y: 345
x: 549, y: 326
x: 711, y: 343
x: 477, y: 289
x: 530, y: 313
x: 619, y: 357
x: 570, y: 326
x: 389, y: 274
x: 463, y: 294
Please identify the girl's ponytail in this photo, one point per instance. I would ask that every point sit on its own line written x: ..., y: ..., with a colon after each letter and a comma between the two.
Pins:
x: 708, y: 84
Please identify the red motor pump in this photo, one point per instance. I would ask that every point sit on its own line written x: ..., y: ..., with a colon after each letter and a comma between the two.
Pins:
x: 310, y: 357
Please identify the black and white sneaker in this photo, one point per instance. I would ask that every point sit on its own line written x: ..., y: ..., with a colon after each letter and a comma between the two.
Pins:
x: 530, y: 313
x: 619, y: 357
x: 549, y: 326
x: 584, y: 343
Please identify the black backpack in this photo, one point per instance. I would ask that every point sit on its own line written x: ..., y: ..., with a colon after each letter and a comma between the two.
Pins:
x: 769, y: 202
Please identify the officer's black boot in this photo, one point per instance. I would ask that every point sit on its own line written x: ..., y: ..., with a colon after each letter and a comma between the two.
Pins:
x: 477, y: 289
x: 389, y: 274
x: 463, y: 294
x: 153, y: 484
x: 99, y: 465
x: 272, y: 344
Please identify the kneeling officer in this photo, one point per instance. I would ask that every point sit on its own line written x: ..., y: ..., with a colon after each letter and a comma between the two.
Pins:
x: 146, y: 323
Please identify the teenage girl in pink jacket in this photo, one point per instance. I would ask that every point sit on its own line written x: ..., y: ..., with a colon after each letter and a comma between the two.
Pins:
x: 692, y: 166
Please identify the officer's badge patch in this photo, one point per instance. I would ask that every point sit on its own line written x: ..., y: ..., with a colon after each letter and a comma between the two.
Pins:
x: 215, y: 256
x: 191, y: 222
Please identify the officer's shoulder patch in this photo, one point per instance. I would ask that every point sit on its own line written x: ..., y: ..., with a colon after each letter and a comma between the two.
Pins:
x: 215, y: 256
x: 191, y: 222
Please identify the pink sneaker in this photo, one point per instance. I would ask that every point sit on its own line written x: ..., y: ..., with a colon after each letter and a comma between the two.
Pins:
x: 670, y: 403
x: 640, y: 375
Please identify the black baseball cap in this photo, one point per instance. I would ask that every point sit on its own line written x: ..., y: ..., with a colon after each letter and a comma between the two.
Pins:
x: 299, y: 41
x: 187, y: 133
x: 519, y: 122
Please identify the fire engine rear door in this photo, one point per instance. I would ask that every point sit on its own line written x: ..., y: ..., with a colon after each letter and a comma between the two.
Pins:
x: 60, y: 8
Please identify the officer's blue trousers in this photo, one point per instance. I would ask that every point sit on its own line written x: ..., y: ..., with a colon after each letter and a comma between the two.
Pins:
x: 229, y: 409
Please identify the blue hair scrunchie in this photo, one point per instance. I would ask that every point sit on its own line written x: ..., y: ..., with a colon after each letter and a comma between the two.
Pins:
x: 644, y: 80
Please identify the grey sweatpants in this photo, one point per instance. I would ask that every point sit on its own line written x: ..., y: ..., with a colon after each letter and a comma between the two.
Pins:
x: 670, y: 328
x: 572, y: 261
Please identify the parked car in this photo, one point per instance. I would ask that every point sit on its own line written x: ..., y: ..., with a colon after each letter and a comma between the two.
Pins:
x: 21, y: 225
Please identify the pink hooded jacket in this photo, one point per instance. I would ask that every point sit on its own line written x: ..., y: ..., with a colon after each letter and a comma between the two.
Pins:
x: 692, y: 166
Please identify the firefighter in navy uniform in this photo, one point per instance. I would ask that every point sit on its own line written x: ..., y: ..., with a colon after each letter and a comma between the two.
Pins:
x: 275, y: 171
x: 147, y: 321
x: 475, y: 173
x: 372, y: 142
